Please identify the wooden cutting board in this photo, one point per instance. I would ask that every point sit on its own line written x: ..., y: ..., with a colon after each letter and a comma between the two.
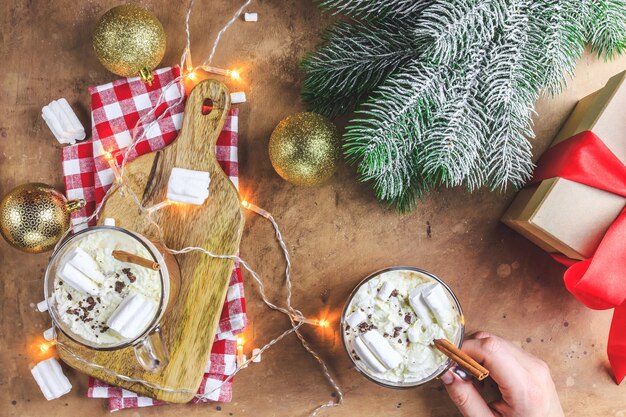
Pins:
x: 190, y: 323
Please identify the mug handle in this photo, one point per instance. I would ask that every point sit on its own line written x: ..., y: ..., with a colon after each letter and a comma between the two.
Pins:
x: 151, y: 352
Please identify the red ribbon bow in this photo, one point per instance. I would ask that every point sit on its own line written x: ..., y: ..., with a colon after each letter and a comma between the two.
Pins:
x: 598, y: 282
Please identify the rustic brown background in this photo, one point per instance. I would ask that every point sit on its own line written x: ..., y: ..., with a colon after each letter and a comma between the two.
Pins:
x: 337, y: 233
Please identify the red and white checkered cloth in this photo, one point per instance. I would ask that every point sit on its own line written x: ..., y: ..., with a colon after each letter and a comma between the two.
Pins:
x: 116, y: 107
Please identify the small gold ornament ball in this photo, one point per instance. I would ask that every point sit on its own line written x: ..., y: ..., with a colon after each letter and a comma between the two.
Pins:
x: 33, y: 217
x: 129, y: 40
x: 304, y: 148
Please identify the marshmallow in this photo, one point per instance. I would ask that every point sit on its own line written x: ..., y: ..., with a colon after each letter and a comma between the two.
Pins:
x: 367, y: 356
x: 50, y: 378
x: 385, y: 291
x: 251, y: 17
x: 256, y: 355
x: 77, y: 280
x: 49, y: 334
x: 42, y: 306
x: 85, y: 263
x: 414, y: 334
x: 238, y: 97
x: 188, y: 186
x: 356, y: 318
x: 63, y: 122
x: 380, y: 347
x: 132, y: 316
x: 109, y: 221
x: 418, y: 305
x: 436, y: 299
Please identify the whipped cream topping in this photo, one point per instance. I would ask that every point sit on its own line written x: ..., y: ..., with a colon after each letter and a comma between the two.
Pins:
x: 409, y: 309
x: 86, y: 315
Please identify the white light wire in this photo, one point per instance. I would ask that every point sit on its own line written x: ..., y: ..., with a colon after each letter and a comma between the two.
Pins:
x: 296, y: 318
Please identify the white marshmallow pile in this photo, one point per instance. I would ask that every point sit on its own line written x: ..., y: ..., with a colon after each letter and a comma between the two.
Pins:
x: 50, y: 378
x: 188, y: 186
x: 376, y: 351
x: 416, y: 299
x: 81, y: 272
x: 132, y: 316
x: 63, y: 122
x: 436, y: 299
x: 367, y: 356
x: 356, y: 318
x: 385, y: 291
x: 238, y: 97
x: 251, y: 17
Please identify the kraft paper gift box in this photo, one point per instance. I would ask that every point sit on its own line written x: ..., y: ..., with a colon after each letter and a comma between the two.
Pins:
x: 566, y: 217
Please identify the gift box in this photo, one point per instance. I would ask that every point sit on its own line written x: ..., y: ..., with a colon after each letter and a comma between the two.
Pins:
x: 567, y: 217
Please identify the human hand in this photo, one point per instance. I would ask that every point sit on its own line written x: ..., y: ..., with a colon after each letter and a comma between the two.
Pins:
x: 524, y: 381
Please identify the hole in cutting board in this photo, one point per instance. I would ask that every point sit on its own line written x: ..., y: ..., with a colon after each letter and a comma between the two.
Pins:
x: 207, y: 106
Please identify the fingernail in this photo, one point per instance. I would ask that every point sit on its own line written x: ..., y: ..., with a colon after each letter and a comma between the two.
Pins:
x: 447, y: 378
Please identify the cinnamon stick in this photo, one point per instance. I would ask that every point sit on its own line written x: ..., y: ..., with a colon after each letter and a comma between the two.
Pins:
x: 124, y: 256
x: 462, y: 359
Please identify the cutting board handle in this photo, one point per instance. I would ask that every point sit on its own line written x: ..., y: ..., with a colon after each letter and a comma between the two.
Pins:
x: 197, y: 126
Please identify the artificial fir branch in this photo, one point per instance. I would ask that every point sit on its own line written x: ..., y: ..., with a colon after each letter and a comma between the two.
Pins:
x: 374, y: 9
x: 606, y: 26
x: 361, y: 56
x: 456, y: 107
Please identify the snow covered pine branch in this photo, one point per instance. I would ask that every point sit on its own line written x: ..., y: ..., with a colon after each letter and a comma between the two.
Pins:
x: 444, y: 90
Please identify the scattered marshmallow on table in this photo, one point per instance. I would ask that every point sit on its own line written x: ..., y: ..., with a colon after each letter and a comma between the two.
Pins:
x: 380, y: 347
x: 251, y: 17
x: 132, y: 316
x: 238, y: 97
x: 188, y: 186
x: 63, y: 122
x: 50, y: 378
x: 49, y: 334
x: 367, y: 356
x: 42, y: 306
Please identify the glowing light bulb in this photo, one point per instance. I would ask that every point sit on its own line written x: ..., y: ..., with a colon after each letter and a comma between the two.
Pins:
x: 234, y: 75
x: 113, y: 165
x: 245, y: 204
x: 322, y: 323
x: 240, y: 341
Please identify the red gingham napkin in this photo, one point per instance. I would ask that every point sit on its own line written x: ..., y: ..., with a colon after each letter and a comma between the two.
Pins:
x: 116, y: 107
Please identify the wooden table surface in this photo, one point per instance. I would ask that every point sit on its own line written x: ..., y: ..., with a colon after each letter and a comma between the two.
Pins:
x: 337, y: 233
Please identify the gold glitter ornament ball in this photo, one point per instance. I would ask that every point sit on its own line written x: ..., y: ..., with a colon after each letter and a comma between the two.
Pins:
x: 129, y: 41
x: 33, y: 217
x: 304, y: 148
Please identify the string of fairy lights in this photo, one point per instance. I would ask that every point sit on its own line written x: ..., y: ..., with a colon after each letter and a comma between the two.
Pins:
x: 296, y: 317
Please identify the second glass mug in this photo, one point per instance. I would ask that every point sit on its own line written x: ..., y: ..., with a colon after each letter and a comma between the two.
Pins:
x: 458, y: 340
x: 150, y: 349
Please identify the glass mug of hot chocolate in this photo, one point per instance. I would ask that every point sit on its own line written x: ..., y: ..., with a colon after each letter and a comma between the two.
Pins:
x: 389, y: 324
x: 100, y: 298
